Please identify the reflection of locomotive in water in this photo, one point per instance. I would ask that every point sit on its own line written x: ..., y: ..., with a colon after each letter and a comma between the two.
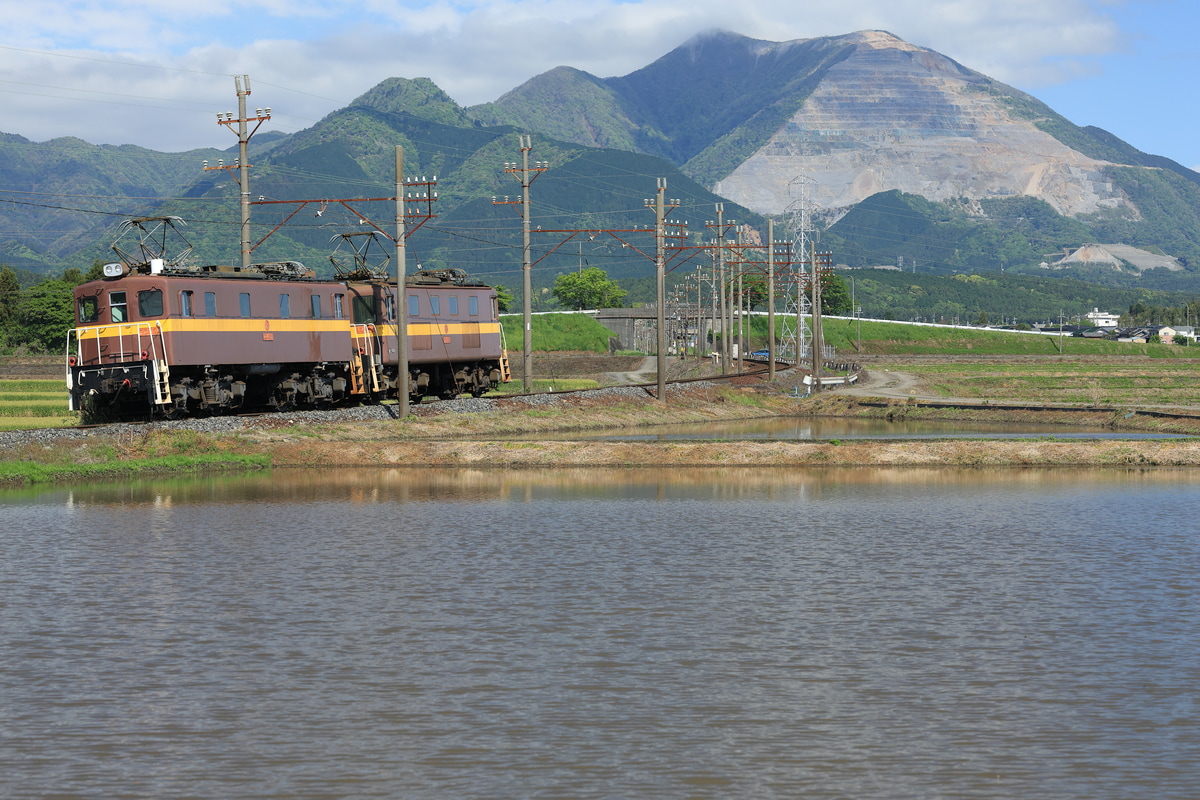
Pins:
x: 158, y: 339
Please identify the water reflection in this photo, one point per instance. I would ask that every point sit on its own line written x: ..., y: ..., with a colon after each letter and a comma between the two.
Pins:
x: 435, y: 485
x: 595, y: 634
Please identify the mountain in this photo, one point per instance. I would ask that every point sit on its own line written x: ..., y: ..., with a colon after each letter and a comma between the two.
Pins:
x: 60, y: 194
x: 859, y: 114
x: 830, y: 122
x: 899, y: 153
x: 351, y: 154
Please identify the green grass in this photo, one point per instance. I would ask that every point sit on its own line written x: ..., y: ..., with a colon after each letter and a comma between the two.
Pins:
x: 884, y: 338
x: 895, y: 338
x: 23, y: 387
x: 560, y: 333
x: 28, y: 404
x: 35, y: 472
x: 156, y: 453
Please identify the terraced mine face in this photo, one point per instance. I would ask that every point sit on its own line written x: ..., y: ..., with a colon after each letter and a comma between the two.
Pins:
x: 895, y: 116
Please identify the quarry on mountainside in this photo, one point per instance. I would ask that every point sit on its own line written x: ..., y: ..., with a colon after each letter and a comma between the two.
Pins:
x: 894, y: 116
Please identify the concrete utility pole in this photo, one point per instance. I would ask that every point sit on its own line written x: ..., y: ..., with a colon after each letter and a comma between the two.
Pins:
x: 660, y: 282
x: 736, y: 297
x: 818, y: 339
x: 526, y: 176
x: 242, y: 84
x: 726, y: 317
x: 771, y: 299
x: 402, y: 375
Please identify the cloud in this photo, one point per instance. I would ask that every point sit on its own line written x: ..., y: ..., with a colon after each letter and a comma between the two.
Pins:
x: 121, y: 71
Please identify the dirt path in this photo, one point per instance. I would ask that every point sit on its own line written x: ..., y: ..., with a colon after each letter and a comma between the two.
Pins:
x: 884, y: 383
x: 645, y: 372
x: 890, y: 383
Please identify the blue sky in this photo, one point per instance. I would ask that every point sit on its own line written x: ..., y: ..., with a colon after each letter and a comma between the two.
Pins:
x: 136, y: 72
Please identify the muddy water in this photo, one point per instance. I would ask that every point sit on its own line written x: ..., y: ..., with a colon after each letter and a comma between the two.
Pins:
x: 604, y: 634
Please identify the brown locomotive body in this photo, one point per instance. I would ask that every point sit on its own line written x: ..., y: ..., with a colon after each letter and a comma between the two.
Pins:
x: 166, y: 341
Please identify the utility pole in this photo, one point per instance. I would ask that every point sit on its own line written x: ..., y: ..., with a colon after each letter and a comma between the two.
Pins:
x: 725, y: 289
x: 660, y: 281
x: 242, y: 84
x: 742, y: 296
x: 526, y: 176
x: 402, y: 375
x: 818, y: 339
x: 771, y: 299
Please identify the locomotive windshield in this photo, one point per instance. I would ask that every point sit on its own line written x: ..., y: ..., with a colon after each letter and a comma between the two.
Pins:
x: 89, y: 309
x: 150, y: 303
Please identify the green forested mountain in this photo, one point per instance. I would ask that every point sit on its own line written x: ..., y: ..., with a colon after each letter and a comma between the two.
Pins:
x: 1000, y: 297
x: 705, y: 106
x: 705, y: 116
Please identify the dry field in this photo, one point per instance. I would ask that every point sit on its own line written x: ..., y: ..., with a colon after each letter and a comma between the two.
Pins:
x: 1142, y: 382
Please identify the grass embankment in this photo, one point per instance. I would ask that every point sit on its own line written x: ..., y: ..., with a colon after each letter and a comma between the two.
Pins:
x: 575, y: 333
x: 114, y: 457
x: 891, y: 338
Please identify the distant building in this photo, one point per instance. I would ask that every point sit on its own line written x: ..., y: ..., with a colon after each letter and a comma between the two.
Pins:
x: 1102, y: 319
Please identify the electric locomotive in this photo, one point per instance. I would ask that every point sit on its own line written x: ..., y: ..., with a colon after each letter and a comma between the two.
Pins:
x: 156, y: 338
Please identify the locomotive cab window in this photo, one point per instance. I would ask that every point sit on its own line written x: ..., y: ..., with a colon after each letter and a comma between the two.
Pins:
x: 89, y: 309
x: 210, y: 304
x: 150, y: 303
x: 364, y: 309
x: 117, y: 306
x: 285, y: 306
x: 435, y: 306
x: 414, y: 305
x: 315, y: 302
x: 244, y: 303
x: 452, y: 302
x: 339, y: 306
x: 389, y: 307
x: 185, y: 304
x: 473, y: 305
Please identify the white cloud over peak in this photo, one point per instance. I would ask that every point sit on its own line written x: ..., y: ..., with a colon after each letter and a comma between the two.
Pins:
x: 123, y: 71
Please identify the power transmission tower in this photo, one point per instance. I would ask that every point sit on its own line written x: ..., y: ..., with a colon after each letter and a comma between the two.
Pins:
x: 795, y: 331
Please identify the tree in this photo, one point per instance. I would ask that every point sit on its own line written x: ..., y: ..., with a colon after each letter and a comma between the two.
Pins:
x: 10, y: 300
x: 504, y: 298
x: 10, y: 296
x: 755, y: 288
x: 47, y: 312
x: 588, y: 288
x: 835, y: 295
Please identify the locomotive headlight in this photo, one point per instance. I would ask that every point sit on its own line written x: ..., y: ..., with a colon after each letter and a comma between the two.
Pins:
x: 114, y: 270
